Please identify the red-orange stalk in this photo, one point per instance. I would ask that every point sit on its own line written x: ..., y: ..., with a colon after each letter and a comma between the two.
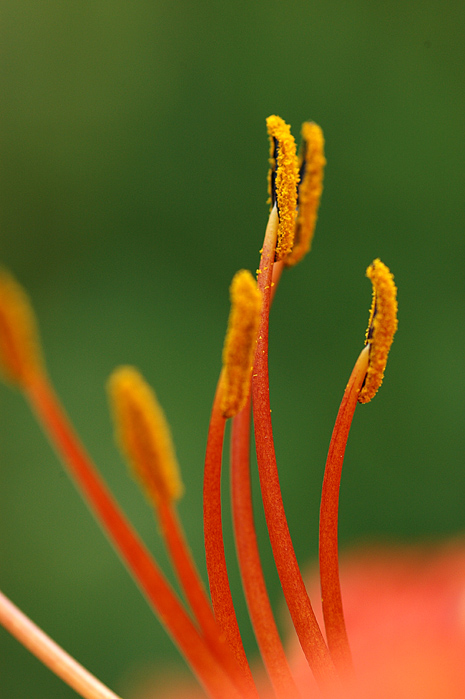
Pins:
x: 213, y: 534
x: 126, y: 541
x: 261, y: 613
x: 329, y: 567
x: 303, y: 617
x: 194, y: 590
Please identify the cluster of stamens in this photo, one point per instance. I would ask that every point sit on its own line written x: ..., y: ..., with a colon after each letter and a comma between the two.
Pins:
x: 204, y: 626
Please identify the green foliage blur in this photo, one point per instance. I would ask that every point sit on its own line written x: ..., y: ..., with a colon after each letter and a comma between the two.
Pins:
x: 133, y: 186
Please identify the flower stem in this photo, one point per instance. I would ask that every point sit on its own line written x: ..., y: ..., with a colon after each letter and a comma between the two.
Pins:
x: 131, y: 549
x: 297, y: 599
x: 50, y: 653
x: 261, y: 613
x: 336, y: 633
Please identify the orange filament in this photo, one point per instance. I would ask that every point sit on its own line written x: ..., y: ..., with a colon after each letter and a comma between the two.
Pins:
x: 382, y: 326
x: 20, y: 354
x: 133, y: 552
x: 297, y: 600
x: 283, y: 178
x: 240, y: 342
x: 312, y: 163
x: 220, y: 590
x: 212, y: 643
x: 336, y: 634
x: 258, y: 603
x: 144, y: 436
x: 194, y: 591
x: 365, y: 380
x: 253, y: 581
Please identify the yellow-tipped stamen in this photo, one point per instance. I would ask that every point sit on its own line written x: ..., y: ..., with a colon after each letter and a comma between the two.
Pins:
x: 381, y: 327
x: 283, y: 179
x: 145, y: 438
x: 311, y: 167
x: 144, y: 435
x: 240, y: 342
x: 20, y: 355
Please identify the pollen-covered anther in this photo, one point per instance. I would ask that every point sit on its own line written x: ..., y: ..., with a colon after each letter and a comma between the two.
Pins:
x: 311, y: 168
x: 144, y: 435
x: 20, y: 354
x: 240, y: 342
x: 283, y: 178
x: 382, y: 326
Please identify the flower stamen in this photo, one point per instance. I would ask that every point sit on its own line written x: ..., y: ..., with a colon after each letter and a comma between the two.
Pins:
x: 364, y: 381
x: 253, y: 581
x: 240, y: 342
x: 311, y: 169
x: 283, y: 178
x: 382, y: 326
x: 297, y: 599
x: 218, y: 578
x: 21, y: 362
x: 145, y: 438
x: 333, y: 613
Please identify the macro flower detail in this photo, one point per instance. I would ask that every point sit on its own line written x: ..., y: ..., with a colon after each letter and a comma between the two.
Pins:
x: 204, y: 625
x: 382, y: 326
x: 144, y: 435
x: 240, y: 342
x: 283, y: 178
x: 311, y: 167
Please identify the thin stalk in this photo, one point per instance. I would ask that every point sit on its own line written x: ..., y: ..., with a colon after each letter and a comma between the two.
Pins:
x: 300, y: 608
x: 50, y: 653
x: 333, y: 613
x: 213, y: 534
x: 194, y: 591
x: 125, y: 540
x: 253, y: 581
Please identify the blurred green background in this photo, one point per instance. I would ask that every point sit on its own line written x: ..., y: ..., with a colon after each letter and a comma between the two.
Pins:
x: 133, y: 186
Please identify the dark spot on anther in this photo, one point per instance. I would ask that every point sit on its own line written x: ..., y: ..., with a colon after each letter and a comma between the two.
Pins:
x: 303, y: 166
x: 274, y: 170
x: 371, y: 328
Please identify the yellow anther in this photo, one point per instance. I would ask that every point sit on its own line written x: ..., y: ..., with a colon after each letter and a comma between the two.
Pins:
x: 381, y: 327
x: 20, y: 355
x: 283, y: 178
x: 239, y: 345
x: 143, y: 435
x: 311, y: 166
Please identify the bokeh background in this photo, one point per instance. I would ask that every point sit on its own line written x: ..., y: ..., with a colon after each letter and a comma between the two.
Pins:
x: 133, y: 186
